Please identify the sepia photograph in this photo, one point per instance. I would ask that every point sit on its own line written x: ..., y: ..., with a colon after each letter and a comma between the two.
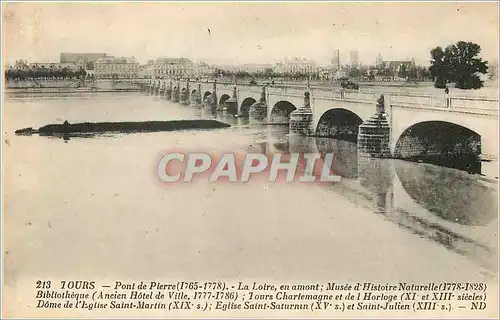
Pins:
x: 244, y: 159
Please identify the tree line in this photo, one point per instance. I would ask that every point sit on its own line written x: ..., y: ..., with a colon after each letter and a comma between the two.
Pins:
x: 44, y: 74
x: 417, y: 73
x: 267, y: 73
x: 411, y: 73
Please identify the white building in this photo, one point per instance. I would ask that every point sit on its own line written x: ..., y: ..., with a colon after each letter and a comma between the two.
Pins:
x: 202, y: 69
x: 116, y: 67
x: 297, y: 65
x: 171, y: 68
x: 254, y: 67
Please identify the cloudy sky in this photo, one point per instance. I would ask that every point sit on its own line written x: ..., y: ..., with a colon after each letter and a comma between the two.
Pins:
x: 245, y: 32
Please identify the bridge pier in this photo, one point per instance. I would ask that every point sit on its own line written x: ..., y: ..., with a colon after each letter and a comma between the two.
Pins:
x: 258, y: 110
x: 210, y: 101
x: 168, y: 92
x: 302, y: 118
x: 374, y: 135
x: 185, y: 95
x: 176, y: 93
x: 198, y: 95
x: 161, y: 90
x: 157, y: 88
x: 214, y: 103
x: 149, y: 87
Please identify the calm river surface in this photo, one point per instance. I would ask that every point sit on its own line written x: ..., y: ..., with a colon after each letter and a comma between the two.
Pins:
x: 94, y: 206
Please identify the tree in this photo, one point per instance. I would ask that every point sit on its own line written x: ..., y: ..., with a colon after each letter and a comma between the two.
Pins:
x: 422, y: 73
x: 363, y: 71
x: 268, y: 72
x: 458, y: 63
x: 438, y: 70
x: 385, y: 73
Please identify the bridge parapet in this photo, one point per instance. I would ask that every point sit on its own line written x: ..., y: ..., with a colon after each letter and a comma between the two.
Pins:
x: 477, y: 103
x: 293, y: 92
x: 451, y: 110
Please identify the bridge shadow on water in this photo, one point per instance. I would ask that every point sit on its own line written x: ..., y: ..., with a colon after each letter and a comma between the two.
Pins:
x: 446, y: 205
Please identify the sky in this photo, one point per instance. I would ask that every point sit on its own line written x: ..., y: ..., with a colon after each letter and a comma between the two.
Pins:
x: 250, y: 32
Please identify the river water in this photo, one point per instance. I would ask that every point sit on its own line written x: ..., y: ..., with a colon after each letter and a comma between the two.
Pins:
x: 94, y: 206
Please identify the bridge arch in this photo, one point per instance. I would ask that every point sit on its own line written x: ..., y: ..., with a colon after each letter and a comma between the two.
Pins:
x: 442, y: 143
x: 245, y: 106
x: 340, y: 124
x: 206, y: 94
x: 280, y: 113
x: 223, y: 99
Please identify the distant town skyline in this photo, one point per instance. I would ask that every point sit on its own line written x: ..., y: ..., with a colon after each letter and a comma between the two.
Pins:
x: 239, y: 33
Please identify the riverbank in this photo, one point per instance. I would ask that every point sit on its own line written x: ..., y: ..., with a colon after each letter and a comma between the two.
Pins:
x: 65, y: 86
x: 14, y: 91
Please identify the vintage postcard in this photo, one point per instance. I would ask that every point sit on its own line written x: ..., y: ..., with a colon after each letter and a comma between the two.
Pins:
x: 250, y: 159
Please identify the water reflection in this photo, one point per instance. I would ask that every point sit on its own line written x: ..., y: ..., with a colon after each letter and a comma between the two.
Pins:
x: 468, y: 202
x: 448, y: 193
x: 346, y: 156
x: 376, y: 175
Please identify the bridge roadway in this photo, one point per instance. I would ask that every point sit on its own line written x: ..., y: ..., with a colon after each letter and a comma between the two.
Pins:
x: 419, y: 124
